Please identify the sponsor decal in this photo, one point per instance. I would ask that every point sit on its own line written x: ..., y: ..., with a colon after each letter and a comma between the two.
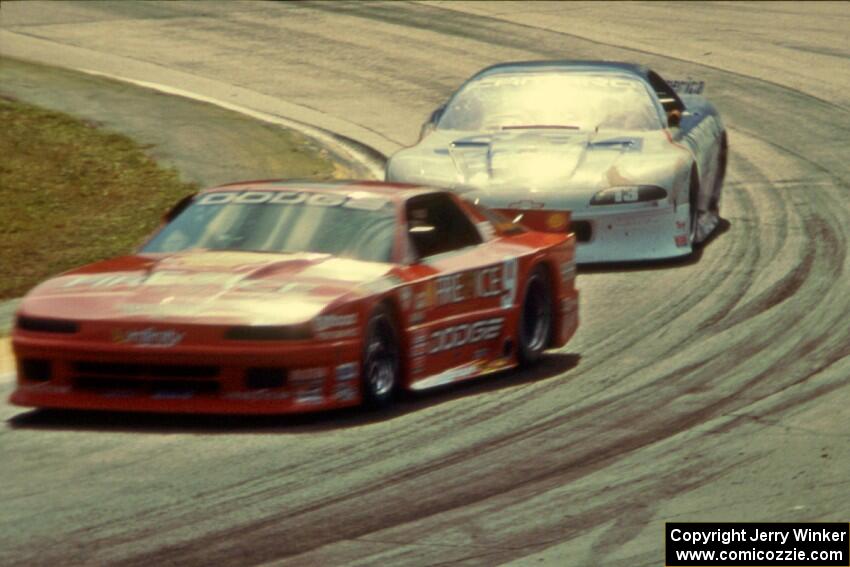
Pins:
x: 464, y: 334
x: 308, y: 384
x: 313, y: 396
x: 405, y: 296
x: 327, y: 326
x: 568, y: 271
x: 427, y: 296
x: 689, y: 86
x: 361, y: 201
x: 493, y: 281
x: 346, y: 372
x: 150, y: 337
x: 447, y: 377
x: 344, y: 393
x: 308, y: 374
x: 526, y: 204
x: 418, y: 348
x: 420, y: 339
x: 557, y: 221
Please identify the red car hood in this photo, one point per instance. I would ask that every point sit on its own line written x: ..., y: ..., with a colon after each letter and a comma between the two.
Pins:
x: 205, y: 287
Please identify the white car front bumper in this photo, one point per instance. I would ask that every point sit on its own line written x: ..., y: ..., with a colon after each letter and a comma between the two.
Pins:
x: 605, y: 234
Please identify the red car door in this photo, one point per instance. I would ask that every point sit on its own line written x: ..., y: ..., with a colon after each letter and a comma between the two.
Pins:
x: 462, y: 302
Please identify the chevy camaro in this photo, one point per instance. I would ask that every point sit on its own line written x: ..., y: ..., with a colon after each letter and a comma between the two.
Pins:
x: 275, y: 297
x: 639, y: 163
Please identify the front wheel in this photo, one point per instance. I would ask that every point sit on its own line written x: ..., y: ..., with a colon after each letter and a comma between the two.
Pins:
x: 535, y: 321
x: 380, y: 375
x: 719, y: 176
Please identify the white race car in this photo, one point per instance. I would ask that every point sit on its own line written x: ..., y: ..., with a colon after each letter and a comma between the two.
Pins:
x: 639, y: 161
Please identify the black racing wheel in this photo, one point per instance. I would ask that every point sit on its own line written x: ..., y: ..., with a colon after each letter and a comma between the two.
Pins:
x: 535, y: 320
x: 381, y: 368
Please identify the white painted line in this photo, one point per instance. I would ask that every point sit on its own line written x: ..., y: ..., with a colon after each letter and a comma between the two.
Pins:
x: 375, y: 167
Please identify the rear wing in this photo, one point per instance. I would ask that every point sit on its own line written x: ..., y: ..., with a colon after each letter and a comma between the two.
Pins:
x: 539, y: 220
x: 687, y: 86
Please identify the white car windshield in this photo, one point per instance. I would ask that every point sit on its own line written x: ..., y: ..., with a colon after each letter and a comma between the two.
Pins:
x: 361, y: 228
x: 566, y: 100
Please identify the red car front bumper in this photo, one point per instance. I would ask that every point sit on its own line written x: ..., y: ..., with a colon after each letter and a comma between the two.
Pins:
x: 222, y: 379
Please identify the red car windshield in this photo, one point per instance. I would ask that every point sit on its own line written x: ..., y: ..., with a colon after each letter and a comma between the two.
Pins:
x: 359, y: 227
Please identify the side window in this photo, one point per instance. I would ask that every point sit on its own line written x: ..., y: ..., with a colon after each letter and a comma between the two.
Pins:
x: 666, y: 95
x: 436, y: 225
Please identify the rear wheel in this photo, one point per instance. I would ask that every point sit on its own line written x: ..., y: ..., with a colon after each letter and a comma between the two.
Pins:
x: 380, y: 375
x: 535, y: 321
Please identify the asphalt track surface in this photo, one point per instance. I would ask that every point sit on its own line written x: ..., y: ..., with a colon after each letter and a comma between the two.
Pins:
x: 713, y: 390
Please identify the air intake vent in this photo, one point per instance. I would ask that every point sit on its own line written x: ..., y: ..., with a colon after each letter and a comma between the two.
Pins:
x: 130, y: 370
x: 36, y: 369
x: 40, y: 325
x: 262, y: 378
x: 266, y: 333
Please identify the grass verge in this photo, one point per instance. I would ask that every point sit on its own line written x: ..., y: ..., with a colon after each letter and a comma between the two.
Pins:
x: 71, y: 193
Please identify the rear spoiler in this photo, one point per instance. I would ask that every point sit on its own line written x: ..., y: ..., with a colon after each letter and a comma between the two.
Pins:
x: 687, y: 86
x: 539, y: 220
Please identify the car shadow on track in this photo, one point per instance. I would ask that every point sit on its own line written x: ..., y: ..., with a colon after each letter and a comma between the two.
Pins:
x: 551, y: 366
x: 645, y: 265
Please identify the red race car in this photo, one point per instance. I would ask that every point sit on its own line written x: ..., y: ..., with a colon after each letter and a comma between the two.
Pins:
x: 276, y: 297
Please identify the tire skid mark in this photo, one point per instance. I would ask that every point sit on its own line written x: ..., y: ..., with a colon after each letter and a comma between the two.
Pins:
x: 629, y: 414
x: 264, y: 537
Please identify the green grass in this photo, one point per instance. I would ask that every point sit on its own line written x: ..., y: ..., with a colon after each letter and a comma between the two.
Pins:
x: 71, y: 193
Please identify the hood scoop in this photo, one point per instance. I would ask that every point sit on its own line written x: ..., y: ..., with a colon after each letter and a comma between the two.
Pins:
x: 532, y: 158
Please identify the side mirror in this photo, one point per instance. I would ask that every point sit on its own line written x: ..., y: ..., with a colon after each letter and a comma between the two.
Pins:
x: 178, y: 208
x: 429, y: 126
x: 674, y: 118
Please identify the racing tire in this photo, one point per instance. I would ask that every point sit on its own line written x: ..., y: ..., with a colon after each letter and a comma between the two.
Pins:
x: 535, y: 317
x: 693, y: 207
x: 381, y: 361
x: 722, y: 158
